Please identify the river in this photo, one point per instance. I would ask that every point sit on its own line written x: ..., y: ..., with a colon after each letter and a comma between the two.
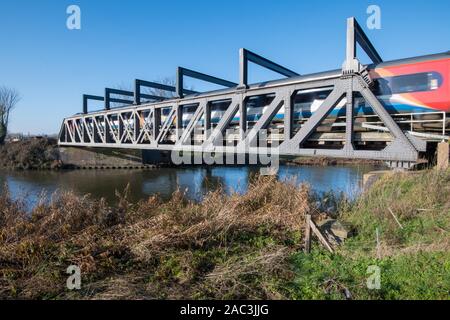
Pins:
x: 195, y: 181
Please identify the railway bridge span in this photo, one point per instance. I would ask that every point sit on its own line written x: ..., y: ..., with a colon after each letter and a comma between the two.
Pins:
x: 331, y: 114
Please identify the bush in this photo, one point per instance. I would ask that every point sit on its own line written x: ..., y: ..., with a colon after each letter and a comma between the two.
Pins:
x: 35, y: 153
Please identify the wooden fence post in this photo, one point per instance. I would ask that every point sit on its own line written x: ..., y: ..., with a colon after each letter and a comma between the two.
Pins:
x: 308, y: 234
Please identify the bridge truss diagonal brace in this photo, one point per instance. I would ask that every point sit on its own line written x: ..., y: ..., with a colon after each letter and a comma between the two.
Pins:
x: 69, y: 130
x: 246, y: 56
x: 87, y: 130
x: 99, y: 131
x: 402, y: 139
x: 401, y: 149
x: 147, y: 127
x: 251, y: 136
x: 165, y: 129
x: 223, y: 123
x: 199, y: 112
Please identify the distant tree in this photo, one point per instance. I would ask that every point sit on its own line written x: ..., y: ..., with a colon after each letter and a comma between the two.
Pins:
x: 162, y: 93
x: 169, y: 81
x: 8, y: 100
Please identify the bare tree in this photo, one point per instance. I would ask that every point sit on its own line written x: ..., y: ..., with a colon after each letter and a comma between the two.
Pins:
x: 8, y: 100
x: 162, y: 93
x: 168, y: 81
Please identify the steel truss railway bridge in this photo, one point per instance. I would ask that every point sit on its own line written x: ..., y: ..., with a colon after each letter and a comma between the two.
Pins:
x: 153, y: 122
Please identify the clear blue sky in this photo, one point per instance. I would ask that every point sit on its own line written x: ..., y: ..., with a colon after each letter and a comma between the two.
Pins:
x: 119, y: 41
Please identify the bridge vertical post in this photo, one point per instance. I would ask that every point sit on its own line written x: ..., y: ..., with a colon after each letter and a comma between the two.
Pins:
x: 95, y: 133
x: 107, y: 100
x: 288, y: 115
x: 242, y: 117
x: 351, y: 40
x: 121, y: 127
x: 156, y: 122
x: 349, y: 117
x: 179, y: 122
x: 108, y: 138
x: 137, y: 125
x: 85, y: 104
x: 207, y: 124
x: 83, y: 131
x: 179, y: 84
x: 243, y: 68
x: 137, y: 92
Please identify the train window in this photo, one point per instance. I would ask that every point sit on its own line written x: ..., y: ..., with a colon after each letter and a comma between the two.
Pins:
x: 418, y: 82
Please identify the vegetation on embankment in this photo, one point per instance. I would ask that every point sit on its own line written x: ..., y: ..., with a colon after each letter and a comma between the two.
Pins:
x: 30, y: 154
x: 413, y: 255
x: 327, y: 161
x: 230, y: 247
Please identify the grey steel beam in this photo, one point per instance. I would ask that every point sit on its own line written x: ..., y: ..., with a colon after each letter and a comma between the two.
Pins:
x: 183, y: 72
x: 356, y: 35
x: 155, y: 85
x: 245, y: 56
x: 243, y: 117
x: 149, y: 97
x: 263, y: 122
x: 349, y: 130
x: 199, y: 112
x: 288, y: 116
x: 118, y: 100
x: 314, y: 121
x: 207, y: 125
x: 156, y: 123
x: 108, y: 99
x: 87, y: 97
x: 224, y: 122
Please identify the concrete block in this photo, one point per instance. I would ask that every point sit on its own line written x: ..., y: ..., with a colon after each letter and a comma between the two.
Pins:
x: 443, y: 151
x: 100, y: 157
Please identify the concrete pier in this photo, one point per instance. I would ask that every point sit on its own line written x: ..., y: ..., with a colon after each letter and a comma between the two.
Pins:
x: 106, y: 158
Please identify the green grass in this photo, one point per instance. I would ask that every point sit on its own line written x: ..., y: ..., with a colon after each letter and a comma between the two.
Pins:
x: 422, y: 275
x: 414, y: 259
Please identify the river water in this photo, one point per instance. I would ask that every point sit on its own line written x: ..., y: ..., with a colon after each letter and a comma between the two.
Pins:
x: 195, y: 181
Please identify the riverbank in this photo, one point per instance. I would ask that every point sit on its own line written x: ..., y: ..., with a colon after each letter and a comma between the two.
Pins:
x: 42, y: 153
x: 31, y: 154
x: 327, y: 161
x: 231, y: 247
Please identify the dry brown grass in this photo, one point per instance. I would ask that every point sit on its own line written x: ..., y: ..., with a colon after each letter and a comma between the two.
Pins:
x: 225, y: 247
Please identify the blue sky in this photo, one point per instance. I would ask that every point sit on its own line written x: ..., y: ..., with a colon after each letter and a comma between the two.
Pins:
x: 119, y: 41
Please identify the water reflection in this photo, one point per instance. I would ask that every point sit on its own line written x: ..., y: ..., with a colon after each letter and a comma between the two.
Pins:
x: 195, y: 181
